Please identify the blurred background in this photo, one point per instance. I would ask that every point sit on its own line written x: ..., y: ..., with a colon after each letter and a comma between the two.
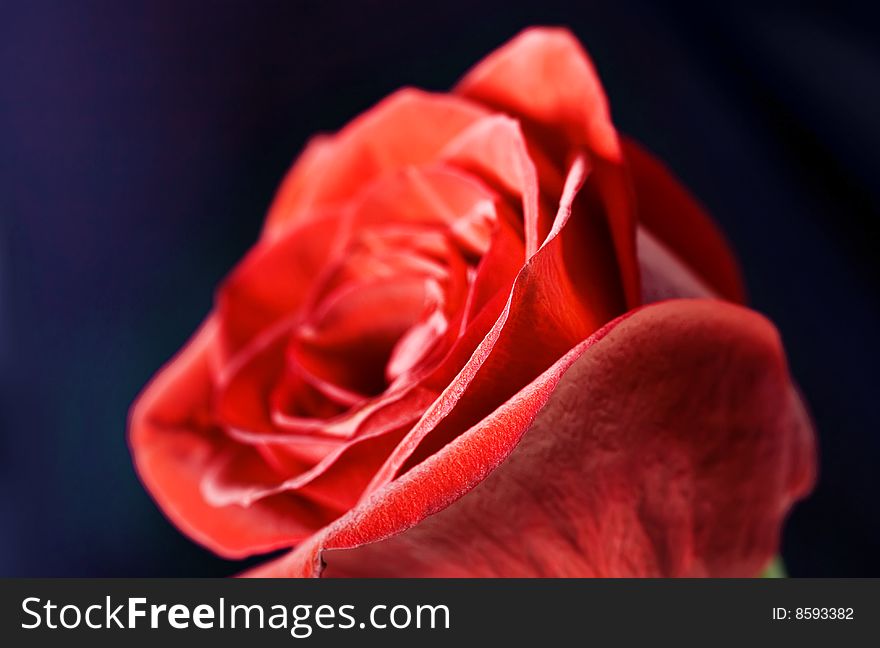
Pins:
x: 141, y: 142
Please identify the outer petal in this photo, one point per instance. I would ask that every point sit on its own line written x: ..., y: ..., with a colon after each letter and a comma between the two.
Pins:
x: 544, y: 75
x: 545, y: 78
x: 669, y: 443
x: 409, y: 127
x: 679, y: 223
x: 664, y: 274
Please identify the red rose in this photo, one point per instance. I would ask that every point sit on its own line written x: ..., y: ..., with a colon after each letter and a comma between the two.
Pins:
x: 438, y: 361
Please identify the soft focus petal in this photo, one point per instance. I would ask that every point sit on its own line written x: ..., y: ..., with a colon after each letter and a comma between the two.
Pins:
x: 671, y: 443
x: 176, y: 448
x: 274, y: 281
x: 297, y: 191
x: 409, y: 127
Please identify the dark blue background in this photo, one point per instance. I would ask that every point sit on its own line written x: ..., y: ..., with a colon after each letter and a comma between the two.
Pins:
x: 140, y: 144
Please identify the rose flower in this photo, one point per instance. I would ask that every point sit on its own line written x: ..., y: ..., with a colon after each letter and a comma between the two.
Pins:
x: 482, y: 335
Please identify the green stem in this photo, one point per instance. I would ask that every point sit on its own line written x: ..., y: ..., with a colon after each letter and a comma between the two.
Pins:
x: 776, y: 569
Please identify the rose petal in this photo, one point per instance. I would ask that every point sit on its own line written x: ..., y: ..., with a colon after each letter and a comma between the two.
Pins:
x: 433, y: 194
x: 244, y: 477
x: 347, y: 344
x: 565, y: 292
x: 297, y: 189
x: 175, y: 444
x: 495, y: 149
x: 544, y: 75
x: 320, y: 482
x: 248, y: 400
x: 664, y: 274
x: 677, y: 220
x: 545, y: 79
x: 274, y: 280
x: 497, y: 269
x: 335, y: 478
x: 670, y: 443
x: 408, y: 127
x: 226, y: 494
